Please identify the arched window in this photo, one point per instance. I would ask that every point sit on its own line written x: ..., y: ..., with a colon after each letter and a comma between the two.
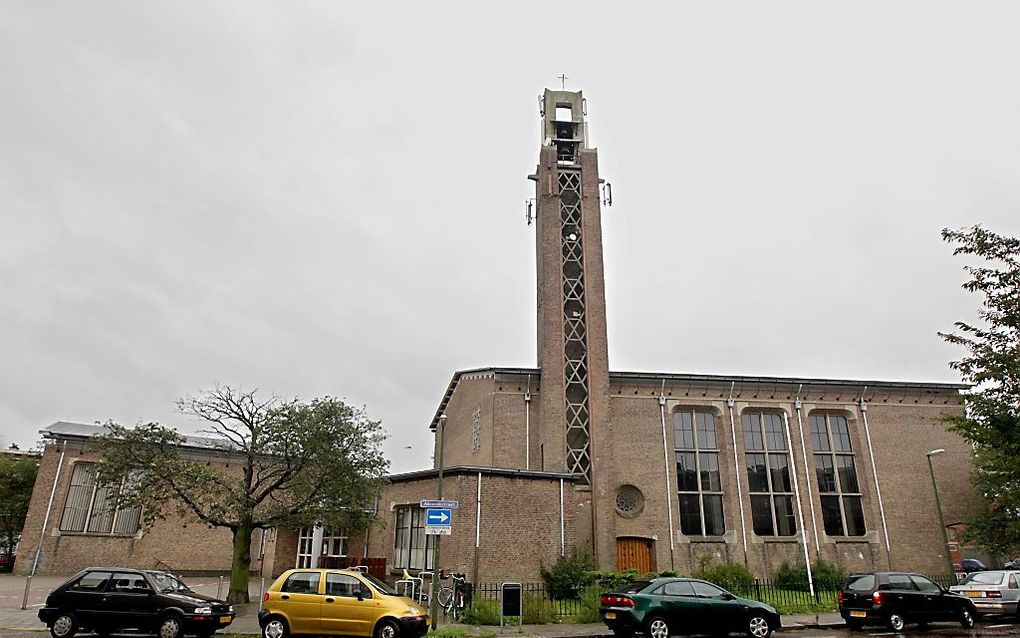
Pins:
x: 838, y: 487
x: 768, y: 474
x: 699, y: 483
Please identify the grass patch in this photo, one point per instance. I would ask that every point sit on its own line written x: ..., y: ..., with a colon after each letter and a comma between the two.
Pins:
x: 789, y: 601
x: 448, y: 632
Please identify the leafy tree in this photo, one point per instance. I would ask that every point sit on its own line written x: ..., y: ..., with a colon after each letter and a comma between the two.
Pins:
x: 290, y: 464
x: 991, y: 423
x: 17, y: 478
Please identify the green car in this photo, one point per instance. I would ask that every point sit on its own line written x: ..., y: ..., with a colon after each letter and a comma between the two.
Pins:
x: 664, y: 607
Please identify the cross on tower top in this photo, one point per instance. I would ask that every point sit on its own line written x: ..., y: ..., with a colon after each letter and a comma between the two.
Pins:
x: 563, y: 80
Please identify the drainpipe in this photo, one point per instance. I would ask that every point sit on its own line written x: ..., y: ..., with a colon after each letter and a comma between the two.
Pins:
x: 562, y: 535
x: 527, y: 426
x: 807, y: 472
x: 478, y: 523
x: 800, y: 510
x: 49, y: 507
x: 874, y: 471
x: 46, y: 520
x: 736, y: 466
x: 665, y: 460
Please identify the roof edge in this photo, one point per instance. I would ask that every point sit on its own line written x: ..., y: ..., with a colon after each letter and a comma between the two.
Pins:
x: 863, y: 384
x: 475, y: 469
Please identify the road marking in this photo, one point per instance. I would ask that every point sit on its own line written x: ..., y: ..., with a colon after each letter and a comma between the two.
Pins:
x: 997, y: 626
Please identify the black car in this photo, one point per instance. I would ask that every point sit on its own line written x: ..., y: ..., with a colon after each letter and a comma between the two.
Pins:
x: 108, y: 599
x: 664, y: 607
x: 897, y: 598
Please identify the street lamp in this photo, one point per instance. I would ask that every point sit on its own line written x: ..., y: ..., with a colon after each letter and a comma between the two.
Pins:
x: 938, y: 508
x: 434, y: 597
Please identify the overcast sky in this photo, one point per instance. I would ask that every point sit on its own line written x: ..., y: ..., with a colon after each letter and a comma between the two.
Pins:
x: 328, y: 197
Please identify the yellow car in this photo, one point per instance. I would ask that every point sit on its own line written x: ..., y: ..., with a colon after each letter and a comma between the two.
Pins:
x: 339, y: 602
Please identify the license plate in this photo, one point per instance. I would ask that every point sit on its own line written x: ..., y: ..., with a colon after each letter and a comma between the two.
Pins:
x: 974, y: 594
x: 859, y: 614
x: 610, y: 615
x: 224, y: 619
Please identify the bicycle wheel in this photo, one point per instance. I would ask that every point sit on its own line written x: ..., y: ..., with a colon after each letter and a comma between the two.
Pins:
x: 444, y: 597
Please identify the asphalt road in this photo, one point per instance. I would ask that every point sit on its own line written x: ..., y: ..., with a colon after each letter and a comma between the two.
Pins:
x: 986, y: 628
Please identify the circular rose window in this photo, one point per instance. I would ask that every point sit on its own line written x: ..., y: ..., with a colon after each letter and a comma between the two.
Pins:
x: 629, y: 501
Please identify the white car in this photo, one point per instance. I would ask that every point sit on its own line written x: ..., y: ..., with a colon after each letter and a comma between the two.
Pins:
x: 992, y: 592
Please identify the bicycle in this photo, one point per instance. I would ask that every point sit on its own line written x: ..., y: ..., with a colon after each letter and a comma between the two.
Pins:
x: 452, y: 599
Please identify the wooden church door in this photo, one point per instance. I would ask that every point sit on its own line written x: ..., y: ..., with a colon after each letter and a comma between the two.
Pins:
x: 635, y: 553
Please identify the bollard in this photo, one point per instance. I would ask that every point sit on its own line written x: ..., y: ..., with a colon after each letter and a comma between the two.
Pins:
x: 262, y: 592
x: 28, y: 586
x: 219, y: 589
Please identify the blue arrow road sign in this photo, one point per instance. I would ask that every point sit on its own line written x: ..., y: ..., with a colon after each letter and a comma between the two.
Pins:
x: 438, y: 517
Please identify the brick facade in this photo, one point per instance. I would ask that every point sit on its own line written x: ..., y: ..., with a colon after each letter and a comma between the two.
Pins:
x: 181, y: 544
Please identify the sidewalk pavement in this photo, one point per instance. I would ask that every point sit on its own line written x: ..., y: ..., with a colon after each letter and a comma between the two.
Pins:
x: 246, y: 623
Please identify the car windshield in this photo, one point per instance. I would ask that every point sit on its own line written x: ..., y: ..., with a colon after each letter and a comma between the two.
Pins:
x: 168, y: 582
x: 632, y: 587
x: 984, y: 578
x: 382, y: 587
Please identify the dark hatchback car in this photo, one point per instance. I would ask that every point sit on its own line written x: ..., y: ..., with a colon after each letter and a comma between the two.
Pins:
x: 664, y: 607
x: 109, y: 599
x: 895, y: 599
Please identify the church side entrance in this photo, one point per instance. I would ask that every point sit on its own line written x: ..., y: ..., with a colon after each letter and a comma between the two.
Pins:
x: 635, y: 553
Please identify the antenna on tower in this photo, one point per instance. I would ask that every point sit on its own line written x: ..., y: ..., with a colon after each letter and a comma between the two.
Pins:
x: 529, y: 210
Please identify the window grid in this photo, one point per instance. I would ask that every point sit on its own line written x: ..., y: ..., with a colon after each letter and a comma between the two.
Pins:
x: 412, y: 547
x: 700, y: 498
x: 87, y: 507
x: 767, y: 458
x: 839, y: 489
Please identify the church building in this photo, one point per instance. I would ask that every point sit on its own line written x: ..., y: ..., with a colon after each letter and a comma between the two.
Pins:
x: 644, y: 470
x: 660, y: 470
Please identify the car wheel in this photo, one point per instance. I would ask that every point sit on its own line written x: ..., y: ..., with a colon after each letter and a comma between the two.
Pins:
x: 169, y: 627
x: 275, y: 627
x: 758, y: 627
x: 657, y: 627
x: 64, y: 625
x: 966, y: 618
x: 387, y: 629
x: 896, y: 622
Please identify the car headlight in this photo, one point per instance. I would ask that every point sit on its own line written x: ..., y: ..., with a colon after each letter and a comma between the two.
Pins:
x: 203, y: 610
x: 414, y: 611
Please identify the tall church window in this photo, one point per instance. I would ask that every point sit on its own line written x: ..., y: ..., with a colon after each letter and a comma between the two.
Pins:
x: 768, y: 474
x: 838, y: 487
x: 412, y: 547
x: 88, y: 506
x: 698, y: 479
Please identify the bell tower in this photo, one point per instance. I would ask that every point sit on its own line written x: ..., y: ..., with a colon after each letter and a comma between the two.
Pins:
x: 572, y: 350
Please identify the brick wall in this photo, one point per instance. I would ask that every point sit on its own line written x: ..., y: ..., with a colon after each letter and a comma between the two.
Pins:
x: 183, y: 544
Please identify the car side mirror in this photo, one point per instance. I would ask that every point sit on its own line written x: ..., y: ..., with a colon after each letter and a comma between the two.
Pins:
x: 728, y: 596
x: 361, y: 595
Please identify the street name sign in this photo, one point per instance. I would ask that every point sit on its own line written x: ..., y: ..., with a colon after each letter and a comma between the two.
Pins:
x: 426, y: 503
x: 438, y: 530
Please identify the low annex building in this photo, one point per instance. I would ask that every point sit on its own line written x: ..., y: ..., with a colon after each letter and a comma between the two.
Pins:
x: 644, y: 470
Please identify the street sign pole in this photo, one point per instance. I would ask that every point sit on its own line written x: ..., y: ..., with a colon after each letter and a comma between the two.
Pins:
x: 434, y: 598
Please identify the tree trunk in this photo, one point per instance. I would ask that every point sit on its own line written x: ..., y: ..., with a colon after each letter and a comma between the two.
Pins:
x: 241, y: 562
